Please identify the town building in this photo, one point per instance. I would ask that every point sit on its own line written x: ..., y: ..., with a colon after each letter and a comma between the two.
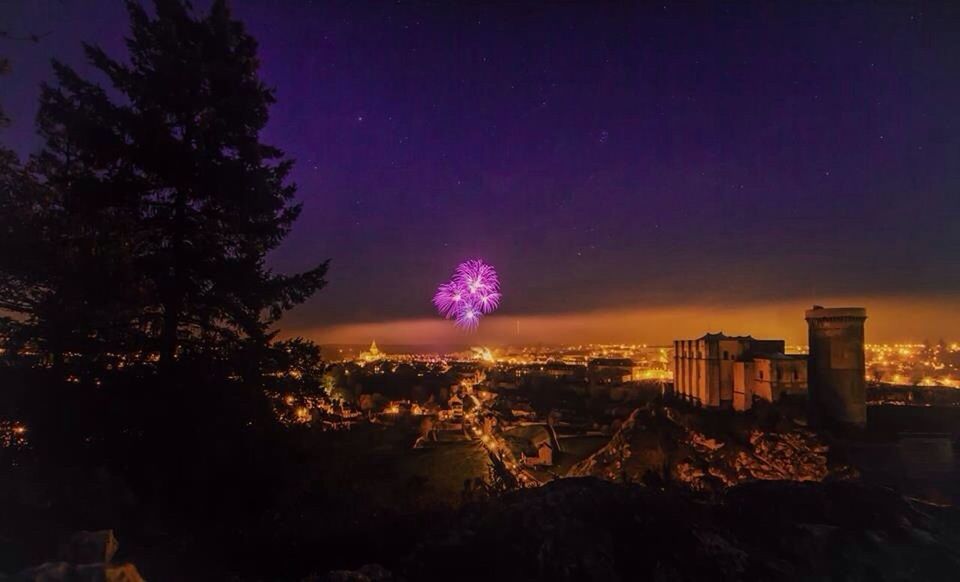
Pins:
x: 521, y: 410
x: 768, y: 377
x: 563, y: 371
x: 455, y: 403
x: 532, y: 444
x: 613, y: 371
x: 730, y: 371
x: 371, y: 355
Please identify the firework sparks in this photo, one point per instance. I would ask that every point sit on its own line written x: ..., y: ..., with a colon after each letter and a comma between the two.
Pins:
x: 449, y: 299
x: 489, y: 302
x: 468, y: 318
x: 478, y: 277
x: 473, y: 291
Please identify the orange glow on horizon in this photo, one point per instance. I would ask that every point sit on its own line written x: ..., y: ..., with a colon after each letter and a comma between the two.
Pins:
x: 890, y: 319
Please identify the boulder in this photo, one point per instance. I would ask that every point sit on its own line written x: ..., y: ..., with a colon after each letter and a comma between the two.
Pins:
x: 64, y: 572
x: 366, y: 573
x: 46, y: 572
x: 109, y: 573
x: 89, y: 547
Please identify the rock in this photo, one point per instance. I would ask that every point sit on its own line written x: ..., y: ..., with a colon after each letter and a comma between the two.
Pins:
x: 366, y: 573
x: 109, y: 573
x: 85, y: 557
x: 46, y: 572
x: 64, y: 572
x: 89, y: 547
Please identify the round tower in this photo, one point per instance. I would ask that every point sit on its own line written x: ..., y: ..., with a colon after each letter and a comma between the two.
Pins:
x: 836, y: 366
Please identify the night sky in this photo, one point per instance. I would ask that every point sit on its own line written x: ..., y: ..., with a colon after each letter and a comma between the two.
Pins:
x: 634, y: 173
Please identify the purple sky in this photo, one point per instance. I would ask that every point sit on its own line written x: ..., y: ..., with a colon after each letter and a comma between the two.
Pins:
x: 601, y: 157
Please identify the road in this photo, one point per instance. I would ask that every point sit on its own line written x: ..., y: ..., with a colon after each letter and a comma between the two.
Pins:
x: 497, y: 446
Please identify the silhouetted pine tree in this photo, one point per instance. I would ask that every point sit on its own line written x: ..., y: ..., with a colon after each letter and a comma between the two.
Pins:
x: 164, y: 196
x: 61, y: 272
x: 13, y: 181
x: 4, y: 70
x: 14, y: 280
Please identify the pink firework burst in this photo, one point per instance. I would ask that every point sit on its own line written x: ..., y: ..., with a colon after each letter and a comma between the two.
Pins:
x: 488, y: 302
x: 478, y: 277
x: 450, y: 299
x: 472, y: 292
x: 468, y: 318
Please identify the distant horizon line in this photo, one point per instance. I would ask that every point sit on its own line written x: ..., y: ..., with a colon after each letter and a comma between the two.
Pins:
x: 890, y: 320
x: 567, y: 345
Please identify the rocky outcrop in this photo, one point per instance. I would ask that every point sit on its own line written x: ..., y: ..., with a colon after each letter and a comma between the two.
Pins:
x: 85, y: 557
x: 366, y: 573
x: 88, y: 547
x: 669, y: 446
x: 65, y: 572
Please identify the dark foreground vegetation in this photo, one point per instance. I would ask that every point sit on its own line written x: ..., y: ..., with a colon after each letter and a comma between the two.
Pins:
x: 295, y: 506
x: 202, y: 488
x: 137, y: 312
x: 586, y: 529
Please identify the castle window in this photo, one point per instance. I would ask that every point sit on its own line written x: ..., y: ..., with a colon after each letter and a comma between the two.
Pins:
x: 726, y: 355
x: 761, y: 374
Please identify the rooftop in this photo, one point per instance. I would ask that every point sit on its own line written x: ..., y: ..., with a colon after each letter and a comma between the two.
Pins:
x: 722, y: 336
x: 821, y: 312
x: 779, y: 356
x: 620, y: 362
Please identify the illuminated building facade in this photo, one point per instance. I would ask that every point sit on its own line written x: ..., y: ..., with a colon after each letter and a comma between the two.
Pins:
x: 768, y: 377
x: 729, y: 371
x: 610, y: 370
x: 372, y: 355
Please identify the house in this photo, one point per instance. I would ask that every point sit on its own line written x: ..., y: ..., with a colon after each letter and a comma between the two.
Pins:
x: 610, y: 371
x: 456, y: 406
x: 543, y: 456
x: 522, y: 411
x: 556, y: 370
x: 532, y: 444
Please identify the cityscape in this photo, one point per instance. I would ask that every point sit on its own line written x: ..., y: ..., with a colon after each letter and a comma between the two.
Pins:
x: 497, y: 396
x: 916, y: 364
x: 324, y: 291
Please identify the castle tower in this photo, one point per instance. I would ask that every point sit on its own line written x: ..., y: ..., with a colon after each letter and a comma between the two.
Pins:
x: 836, y: 366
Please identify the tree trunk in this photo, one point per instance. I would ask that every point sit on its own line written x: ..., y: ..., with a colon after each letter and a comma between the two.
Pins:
x: 168, y: 338
x: 173, y: 302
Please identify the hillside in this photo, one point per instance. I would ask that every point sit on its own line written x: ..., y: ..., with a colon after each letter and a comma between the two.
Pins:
x: 589, y: 529
x: 709, y: 452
